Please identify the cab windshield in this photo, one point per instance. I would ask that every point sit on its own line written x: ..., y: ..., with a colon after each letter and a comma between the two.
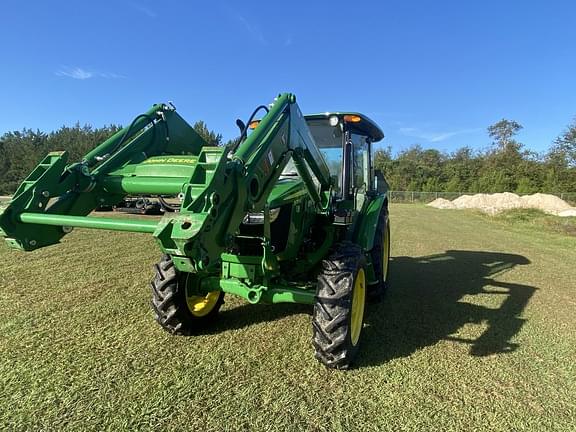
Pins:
x: 329, y: 140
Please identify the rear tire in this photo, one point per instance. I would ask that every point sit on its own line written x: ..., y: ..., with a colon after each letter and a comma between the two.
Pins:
x: 380, y: 255
x: 339, y: 309
x: 176, y: 312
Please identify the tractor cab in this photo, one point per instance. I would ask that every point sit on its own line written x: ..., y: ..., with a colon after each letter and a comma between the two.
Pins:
x: 345, y: 140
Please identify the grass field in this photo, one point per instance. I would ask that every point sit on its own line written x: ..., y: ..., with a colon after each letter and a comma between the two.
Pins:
x: 477, y: 333
x: 536, y: 219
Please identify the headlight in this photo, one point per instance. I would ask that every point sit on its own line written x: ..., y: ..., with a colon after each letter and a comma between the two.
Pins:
x: 258, y: 218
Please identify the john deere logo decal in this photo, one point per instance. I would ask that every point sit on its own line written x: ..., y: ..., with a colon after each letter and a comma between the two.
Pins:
x: 170, y: 160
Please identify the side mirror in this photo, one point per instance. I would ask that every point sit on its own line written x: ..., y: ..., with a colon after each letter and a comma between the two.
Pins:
x: 240, y: 125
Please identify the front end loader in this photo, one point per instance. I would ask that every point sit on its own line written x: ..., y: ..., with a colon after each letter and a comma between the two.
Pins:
x: 292, y: 211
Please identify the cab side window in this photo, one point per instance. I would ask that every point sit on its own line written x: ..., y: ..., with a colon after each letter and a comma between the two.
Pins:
x: 360, y: 162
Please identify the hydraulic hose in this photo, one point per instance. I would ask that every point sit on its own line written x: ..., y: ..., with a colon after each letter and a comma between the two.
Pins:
x: 166, y: 205
x: 126, y: 134
x: 129, y: 129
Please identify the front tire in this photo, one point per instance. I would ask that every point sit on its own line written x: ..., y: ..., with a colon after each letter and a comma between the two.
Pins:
x: 175, y: 310
x: 338, y: 314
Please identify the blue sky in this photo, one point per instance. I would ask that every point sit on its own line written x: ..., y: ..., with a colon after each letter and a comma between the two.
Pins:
x: 435, y: 73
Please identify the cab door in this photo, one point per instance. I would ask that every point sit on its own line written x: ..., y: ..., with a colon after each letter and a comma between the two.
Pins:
x: 360, y: 168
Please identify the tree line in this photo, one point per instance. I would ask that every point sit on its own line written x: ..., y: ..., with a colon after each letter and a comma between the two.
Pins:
x: 505, y: 166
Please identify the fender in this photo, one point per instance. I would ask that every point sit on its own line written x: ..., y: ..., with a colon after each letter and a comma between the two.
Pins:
x: 367, y: 222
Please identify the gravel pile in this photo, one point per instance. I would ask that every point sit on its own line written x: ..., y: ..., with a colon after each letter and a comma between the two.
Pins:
x: 497, y: 202
x: 489, y: 203
x: 547, y: 203
x: 442, y: 203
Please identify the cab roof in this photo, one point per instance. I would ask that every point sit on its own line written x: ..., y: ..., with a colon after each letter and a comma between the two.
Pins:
x: 365, y: 126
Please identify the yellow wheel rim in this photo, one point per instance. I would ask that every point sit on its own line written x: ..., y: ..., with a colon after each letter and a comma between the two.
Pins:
x: 358, y: 301
x: 202, y: 305
x: 386, y: 253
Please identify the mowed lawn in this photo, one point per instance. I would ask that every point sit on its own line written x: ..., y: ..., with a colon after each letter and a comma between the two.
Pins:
x: 478, y: 332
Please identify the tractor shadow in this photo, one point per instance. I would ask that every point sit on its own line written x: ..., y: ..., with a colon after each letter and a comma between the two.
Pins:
x: 425, y: 305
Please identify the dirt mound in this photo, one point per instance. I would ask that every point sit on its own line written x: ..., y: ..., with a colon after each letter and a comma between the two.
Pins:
x: 547, y: 203
x: 489, y: 203
x: 497, y: 202
x: 442, y: 203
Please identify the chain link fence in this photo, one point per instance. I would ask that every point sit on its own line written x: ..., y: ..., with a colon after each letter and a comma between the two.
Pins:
x: 426, y: 197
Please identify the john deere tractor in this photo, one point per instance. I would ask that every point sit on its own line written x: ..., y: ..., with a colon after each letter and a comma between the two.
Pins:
x: 292, y: 211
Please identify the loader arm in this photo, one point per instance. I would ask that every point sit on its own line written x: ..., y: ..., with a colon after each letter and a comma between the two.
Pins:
x: 241, y: 183
x: 159, y: 153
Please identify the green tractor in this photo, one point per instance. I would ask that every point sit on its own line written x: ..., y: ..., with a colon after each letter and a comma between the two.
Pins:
x: 292, y: 211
